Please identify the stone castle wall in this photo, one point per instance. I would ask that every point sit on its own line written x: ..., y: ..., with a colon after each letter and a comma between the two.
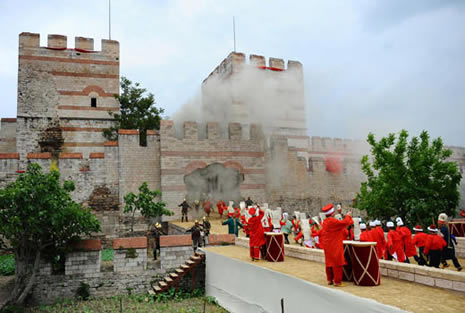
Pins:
x: 57, y: 123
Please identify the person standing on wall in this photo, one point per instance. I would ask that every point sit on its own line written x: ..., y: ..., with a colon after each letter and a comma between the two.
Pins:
x: 331, y: 237
x: 448, y: 253
x: 156, y: 233
x: 248, y: 202
x: 184, y: 206
x: 196, y: 236
x: 206, y: 226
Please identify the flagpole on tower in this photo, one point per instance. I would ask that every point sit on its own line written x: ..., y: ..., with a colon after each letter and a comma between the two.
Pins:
x: 109, y: 19
x: 234, y: 33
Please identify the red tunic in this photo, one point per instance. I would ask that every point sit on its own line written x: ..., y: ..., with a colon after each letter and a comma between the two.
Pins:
x: 367, y: 235
x: 409, y: 246
x: 220, y: 205
x: 395, y: 245
x: 331, y: 238
x: 380, y: 241
x: 207, y: 207
x: 316, y: 235
x: 419, y: 239
x: 245, y: 227
x: 256, y: 233
x: 434, y: 242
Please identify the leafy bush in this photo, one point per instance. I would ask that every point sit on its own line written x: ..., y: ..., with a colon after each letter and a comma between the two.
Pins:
x: 107, y: 255
x: 83, y: 292
x: 7, y: 265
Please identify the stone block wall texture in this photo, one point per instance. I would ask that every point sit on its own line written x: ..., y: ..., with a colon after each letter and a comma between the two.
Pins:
x: 56, y: 122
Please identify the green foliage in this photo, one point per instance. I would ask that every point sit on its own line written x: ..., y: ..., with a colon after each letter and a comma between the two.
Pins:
x: 39, y: 219
x: 36, y: 212
x: 135, y: 303
x: 411, y: 180
x: 83, y: 291
x: 107, y: 255
x: 145, y: 203
x: 179, y: 295
x: 131, y: 253
x: 7, y: 265
x: 136, y: 111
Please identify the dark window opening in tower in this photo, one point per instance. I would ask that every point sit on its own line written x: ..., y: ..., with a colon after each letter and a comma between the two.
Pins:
x: 93, y: 102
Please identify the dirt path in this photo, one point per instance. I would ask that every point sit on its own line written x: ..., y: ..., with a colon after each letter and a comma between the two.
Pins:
x: 405, y: 295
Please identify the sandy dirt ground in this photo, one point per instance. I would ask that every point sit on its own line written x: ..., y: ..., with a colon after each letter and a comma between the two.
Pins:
x: 217, y: 228
x: 405, y: 295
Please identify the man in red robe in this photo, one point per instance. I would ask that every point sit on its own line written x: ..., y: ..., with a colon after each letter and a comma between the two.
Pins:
x: 207, y: 207
x: 409, y: 246
x: 419, y: 240
x: 395, y: 245
x: 381, y: 240
x: 256, y: 235
x: 331, y: 238
x: 221, y: 205
x: 433, y: 247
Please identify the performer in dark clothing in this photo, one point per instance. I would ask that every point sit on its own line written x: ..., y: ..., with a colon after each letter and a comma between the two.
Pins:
x: 448, y: 253
x: 156, y: 232
x: 248, y: 202
x: 206, y: 226
x: 184, y: 205
x: 195, y: 230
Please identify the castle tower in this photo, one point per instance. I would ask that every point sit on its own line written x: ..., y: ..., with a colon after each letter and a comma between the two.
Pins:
x: 64, y: 95
x: 256, y: 92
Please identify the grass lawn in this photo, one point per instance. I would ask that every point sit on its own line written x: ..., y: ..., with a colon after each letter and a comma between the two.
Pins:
x: 132, y: 304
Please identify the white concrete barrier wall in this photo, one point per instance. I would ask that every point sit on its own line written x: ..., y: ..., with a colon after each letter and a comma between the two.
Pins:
x: 242, y: 287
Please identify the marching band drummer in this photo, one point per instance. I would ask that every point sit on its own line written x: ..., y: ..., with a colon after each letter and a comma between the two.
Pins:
x: 331, y: 237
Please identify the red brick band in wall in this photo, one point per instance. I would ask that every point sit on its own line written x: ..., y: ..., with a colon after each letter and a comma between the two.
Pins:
x: 66, y: 60
x: 83, y: 144
x: 214, y: 153
x: 9, y: 156
x: 128, y: 132
x: 86, y: 91
x: 183, y: 187
x: 70, y: 155
x: 88, y: 245
x: 83, y: 108
x: 7, y: 139
x: 44, y: 155
x: 88, y: 75
x: 194, y: 166
x: 126, y: 243
x: 252, y: 186
x: 97, y: 155
x: 8, y: 120
x: 174, y: 188
x: 110, y: 144
x: 82, y: 129
x: 172, y: 171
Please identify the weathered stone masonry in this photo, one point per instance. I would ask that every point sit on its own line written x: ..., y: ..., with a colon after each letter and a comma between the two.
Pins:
x: 64, y: 96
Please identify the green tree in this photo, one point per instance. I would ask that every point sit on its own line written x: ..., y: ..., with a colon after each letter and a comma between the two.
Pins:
x: 136, y: 111
x: 145, y: 203
x: 411, y: 180
x: 38, y: 218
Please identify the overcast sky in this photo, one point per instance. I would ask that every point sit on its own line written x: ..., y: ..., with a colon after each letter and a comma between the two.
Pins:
x: 376, y: 66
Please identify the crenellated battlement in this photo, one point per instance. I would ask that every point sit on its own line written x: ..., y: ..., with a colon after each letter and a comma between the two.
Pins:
x: 214, y: 131
x: 28, y: 41
x: 236, y: 61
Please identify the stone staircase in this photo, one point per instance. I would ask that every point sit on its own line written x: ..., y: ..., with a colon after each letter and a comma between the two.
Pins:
x: 172, y: 279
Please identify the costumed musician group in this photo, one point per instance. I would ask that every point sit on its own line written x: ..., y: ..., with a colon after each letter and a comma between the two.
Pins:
x: 328, y: 231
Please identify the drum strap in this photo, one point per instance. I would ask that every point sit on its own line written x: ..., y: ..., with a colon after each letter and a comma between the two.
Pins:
x: 350, y: 274
x: 365, y: 268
